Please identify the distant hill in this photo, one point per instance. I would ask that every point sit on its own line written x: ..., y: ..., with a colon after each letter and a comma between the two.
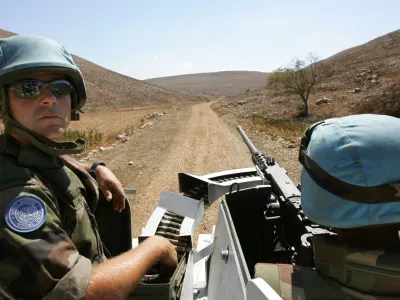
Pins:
x: 108, y: 89
x: 227, y: 83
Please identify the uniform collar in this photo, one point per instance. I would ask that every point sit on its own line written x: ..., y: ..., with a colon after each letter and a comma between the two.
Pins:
x: 28, y: 155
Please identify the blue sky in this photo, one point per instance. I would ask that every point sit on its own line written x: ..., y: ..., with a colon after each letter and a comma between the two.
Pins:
x: 146, y: 39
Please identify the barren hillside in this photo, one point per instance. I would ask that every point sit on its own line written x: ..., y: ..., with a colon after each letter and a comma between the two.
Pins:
x: 214, y: 84
x: 363, y: 79
x: 108, y: 89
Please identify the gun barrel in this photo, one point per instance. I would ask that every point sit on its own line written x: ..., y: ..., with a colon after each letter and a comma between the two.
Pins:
x: 249, y: 144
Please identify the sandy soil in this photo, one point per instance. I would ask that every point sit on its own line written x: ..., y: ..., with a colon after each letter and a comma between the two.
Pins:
x: 191, y: 139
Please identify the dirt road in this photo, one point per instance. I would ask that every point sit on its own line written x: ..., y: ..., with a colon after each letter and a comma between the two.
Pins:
x: 192, y: 139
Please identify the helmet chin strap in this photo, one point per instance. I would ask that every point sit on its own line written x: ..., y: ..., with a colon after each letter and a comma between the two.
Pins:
x: 41, y: 142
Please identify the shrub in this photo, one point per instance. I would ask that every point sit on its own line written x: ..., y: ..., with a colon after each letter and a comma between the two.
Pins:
x: 92, y: 137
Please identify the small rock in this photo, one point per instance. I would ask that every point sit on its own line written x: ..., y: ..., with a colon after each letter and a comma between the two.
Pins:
x: 291, y: 146
x: 374, y: 76
x: 357, y: 90
x: 121, y: 136
x: 392, y: 63
x: 322, y: 101
x: 281, y: 140
x: 130, y: 163
x: 373, y: 81
x: 241, y: 102
x: 125, y: 140
x: 148, y: 124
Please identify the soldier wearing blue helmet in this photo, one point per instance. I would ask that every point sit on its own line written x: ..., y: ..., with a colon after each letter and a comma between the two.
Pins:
x: 50, y: 242
x: 350, y: 183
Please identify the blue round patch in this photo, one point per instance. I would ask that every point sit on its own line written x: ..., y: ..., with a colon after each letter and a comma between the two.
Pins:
x: 25, y: 214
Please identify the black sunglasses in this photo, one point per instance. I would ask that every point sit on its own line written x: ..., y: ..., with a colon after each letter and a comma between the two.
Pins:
x: 34, y: 88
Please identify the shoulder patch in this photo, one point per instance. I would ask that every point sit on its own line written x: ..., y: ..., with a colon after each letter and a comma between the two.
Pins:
x: 25, y: 214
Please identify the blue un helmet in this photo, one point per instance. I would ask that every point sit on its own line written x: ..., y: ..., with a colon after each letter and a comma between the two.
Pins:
x: 23, y: 55
x: 351, y: 171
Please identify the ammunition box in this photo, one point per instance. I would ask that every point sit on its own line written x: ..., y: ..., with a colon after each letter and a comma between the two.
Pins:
x: 174, y: 218
x: 163, y: 291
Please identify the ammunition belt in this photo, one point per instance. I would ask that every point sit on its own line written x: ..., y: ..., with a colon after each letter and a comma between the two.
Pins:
x: 169, y: 228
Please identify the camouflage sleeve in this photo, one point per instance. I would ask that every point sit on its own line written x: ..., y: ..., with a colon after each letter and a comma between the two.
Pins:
x: 42, y: 261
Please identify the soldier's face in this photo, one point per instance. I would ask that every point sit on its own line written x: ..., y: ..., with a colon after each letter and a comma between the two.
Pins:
x: 47, y: 114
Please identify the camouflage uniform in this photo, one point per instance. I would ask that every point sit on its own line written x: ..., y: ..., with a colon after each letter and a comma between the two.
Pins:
x: 340, y: 272
x: 56, y: 259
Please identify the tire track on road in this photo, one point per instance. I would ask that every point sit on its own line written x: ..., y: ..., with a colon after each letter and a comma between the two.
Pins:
x: 194, y: 140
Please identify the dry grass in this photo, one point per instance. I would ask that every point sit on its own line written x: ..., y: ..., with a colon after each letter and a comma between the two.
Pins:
x: 100, y: 129
x: 93, y: 138
x: 388, y: 102
x: 286, y: 129
x: 112, y: 122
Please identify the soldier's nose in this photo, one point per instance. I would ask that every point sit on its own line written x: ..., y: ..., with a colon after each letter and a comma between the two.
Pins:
x: 48, y: 98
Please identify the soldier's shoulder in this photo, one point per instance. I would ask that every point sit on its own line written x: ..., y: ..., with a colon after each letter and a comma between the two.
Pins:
x: 12, y: 174
x: 293, y: 282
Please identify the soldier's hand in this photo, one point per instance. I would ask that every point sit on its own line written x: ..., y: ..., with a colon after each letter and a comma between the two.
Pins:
x: 169, y: 259
x: 111, y: 187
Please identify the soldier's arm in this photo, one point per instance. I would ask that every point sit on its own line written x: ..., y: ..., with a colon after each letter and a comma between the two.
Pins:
x: 38, y: 262
x: 118, y: 277
x: 109, y: 185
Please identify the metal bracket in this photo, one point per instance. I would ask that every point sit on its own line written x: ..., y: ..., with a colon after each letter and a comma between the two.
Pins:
x: 199, y: 255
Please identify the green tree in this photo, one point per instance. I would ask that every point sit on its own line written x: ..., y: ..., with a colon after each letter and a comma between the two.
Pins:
x: 300, y: 77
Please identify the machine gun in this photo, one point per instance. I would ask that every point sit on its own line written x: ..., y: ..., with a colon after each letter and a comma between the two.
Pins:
x: 292, y: 229
x: 259, y: 220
